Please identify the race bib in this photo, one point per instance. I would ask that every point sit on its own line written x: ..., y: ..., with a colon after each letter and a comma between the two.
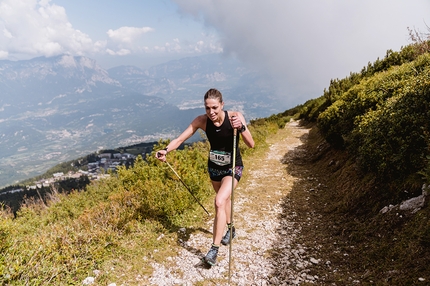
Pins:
x: 220, y: 158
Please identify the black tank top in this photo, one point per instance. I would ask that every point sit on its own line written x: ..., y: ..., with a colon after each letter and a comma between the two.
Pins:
x: 221, y: 139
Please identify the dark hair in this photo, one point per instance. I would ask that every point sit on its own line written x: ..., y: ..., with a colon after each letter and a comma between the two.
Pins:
x: 213, y: 94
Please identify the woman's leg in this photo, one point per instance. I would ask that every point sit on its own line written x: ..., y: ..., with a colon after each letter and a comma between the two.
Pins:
x: 222, y: 207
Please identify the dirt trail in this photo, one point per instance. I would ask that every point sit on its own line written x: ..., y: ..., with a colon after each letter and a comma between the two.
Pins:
x: 260, y: 230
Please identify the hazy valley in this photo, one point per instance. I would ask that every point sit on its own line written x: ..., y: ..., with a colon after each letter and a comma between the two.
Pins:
x: 56, y: 109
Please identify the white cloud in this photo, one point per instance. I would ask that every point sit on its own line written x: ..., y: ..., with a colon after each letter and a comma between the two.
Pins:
x: 30, y: 28
x: 3, y: 54
x: 7, y: 34
x: 110, y: 52
x: 303, y: 44
x: 123, y: 52
x: 120, y: 52
x: 175, y: 46
x: 128, y: 34
x: 159, y: 49
x: 35, y: 28
x: 99, y: 45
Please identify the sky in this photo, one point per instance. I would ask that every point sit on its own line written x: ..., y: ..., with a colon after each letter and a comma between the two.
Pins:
x: 299, y: 44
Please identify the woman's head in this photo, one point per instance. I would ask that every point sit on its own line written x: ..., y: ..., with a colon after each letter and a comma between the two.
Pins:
x: 213, y: 104
x: 213, y: 94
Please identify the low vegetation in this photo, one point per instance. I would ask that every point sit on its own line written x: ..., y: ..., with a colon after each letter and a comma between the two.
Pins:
x: 114, y: 224
x: 371, y: 129
x: 380, y: 116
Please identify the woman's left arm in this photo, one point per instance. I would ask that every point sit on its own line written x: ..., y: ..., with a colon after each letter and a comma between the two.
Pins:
x: 238, y: 122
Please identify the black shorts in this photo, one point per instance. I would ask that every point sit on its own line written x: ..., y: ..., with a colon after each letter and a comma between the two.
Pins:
x: 217, y: 174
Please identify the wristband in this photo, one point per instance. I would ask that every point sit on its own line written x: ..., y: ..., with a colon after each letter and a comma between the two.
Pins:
x: 242, y: 129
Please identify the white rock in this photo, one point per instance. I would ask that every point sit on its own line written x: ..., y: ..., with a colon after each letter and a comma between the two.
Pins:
x: 425, y: 189
x: 413, y: 204
x: 386, y: 209
x: 88, y: 281
x: 97, y: 272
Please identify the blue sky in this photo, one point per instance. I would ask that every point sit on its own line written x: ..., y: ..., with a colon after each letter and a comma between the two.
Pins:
x: 142, y: 33
x: 301, y: 44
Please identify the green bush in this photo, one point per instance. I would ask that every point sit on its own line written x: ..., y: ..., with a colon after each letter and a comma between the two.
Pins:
x: 383, y: 119
x: 338, y: 87
x: 390, y: 140
x: 151, y: 190
x: 61, y: 242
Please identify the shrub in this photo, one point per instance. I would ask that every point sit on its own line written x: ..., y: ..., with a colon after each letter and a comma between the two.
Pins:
x: 391, y: 140
x: 383, y: 119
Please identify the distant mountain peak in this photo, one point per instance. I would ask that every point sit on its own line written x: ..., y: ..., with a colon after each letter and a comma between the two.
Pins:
x: 127, y: 70
x: 68, y: 61
x: 79, y: 70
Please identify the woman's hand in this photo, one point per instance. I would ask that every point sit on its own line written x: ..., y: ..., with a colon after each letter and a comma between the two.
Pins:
x: 161, y: 155
x: 236, y: 123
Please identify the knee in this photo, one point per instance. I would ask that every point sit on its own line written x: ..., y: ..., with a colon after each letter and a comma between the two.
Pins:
x: 220, y: 203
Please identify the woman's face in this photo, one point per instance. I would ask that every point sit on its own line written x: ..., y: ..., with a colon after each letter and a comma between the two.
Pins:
x: 213, y: 108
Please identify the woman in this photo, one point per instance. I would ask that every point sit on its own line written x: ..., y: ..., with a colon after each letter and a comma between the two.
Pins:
x: 218, y: 126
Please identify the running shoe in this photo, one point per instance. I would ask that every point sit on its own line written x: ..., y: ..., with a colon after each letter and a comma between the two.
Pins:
x: 210, y: 258
x: 226, y: 239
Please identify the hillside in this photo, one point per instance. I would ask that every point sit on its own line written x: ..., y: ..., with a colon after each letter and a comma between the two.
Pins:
x: 295, y: 226
x: 340, y: 200
x: 293, y: 229
x: 342, y: 221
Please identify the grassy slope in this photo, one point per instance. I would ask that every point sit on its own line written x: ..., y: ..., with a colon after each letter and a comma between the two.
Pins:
x: 346, y: 227
x: 102, y: 229
x: 339, y: 217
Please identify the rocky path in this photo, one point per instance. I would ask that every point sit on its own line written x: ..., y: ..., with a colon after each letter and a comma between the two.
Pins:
x: 265, y: 251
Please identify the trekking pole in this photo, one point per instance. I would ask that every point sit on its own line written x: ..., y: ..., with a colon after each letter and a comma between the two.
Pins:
x: 233, y: 167
x: 180, y: 179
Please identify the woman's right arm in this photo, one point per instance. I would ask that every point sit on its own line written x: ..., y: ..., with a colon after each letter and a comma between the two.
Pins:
x: 198, y: 122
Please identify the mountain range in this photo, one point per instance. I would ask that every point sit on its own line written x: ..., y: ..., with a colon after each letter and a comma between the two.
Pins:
x: 60, y: 108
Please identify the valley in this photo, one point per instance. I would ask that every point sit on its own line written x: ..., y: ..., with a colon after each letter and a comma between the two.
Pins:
x: 57, y: 109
